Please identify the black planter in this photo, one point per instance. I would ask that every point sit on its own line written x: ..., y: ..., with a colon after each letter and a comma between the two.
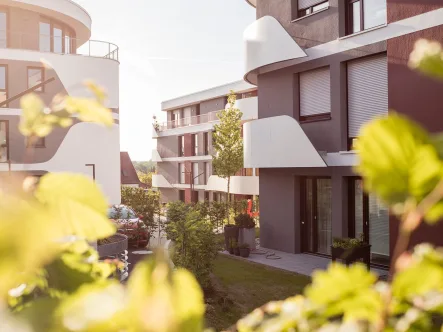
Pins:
x: 236, y: 252
x: 353, y: 255
x: 231, y: 235
x: 244, y: 252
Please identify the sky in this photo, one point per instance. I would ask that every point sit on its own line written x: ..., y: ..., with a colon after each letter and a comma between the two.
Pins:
x: 168, y: 48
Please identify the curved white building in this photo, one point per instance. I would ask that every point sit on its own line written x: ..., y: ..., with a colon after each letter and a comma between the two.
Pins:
x: 57, y: 33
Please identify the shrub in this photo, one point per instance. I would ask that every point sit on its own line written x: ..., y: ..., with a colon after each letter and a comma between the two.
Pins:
x: 146, y: 203
x: 195, y: 244
x: 244, y: 221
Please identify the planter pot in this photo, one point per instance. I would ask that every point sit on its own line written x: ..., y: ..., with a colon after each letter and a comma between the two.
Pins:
x: 247, y: 236
x: 231, y: 234
x: 353, y: 255
x: 236, y: 251
x: 244, y: 252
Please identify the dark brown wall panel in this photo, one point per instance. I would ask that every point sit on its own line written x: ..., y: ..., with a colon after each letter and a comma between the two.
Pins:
x: 401, y: 9
x: 212, y: 105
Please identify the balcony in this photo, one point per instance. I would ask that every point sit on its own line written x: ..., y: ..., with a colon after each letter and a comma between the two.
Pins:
x: 61, y: 45
x: 248, y: 106
x: 240, y: 185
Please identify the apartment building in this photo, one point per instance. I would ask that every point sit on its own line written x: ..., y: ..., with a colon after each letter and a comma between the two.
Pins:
x: 184, y: 146
x: 57, y: 32
x: 323, y: 69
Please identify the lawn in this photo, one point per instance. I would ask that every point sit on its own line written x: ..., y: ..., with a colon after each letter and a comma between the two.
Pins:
x: 241, y: 286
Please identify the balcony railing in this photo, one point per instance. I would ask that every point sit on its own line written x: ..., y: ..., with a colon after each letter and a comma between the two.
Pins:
x: 188, y: 121
x: 59, y: 45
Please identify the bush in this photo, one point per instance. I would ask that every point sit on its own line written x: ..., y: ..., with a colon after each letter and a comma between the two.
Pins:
x: 195, y: 244
x: 146, y: 203
x: 244, y: 221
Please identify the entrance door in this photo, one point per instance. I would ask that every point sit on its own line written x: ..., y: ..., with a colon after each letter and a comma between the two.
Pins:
x: 316, y: 215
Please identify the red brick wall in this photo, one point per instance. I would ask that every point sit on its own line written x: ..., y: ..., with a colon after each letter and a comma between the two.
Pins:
x: 188, y: 145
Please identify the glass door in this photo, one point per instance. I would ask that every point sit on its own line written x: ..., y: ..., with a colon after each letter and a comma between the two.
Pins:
x: 370, y: 218
x: 317, y: 215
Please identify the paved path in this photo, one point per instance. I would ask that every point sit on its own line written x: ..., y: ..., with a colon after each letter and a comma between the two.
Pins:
x: 298, y: 263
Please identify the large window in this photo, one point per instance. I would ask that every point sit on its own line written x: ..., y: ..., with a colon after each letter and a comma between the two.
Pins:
x: 4, y: 141
x: 3, y: 84
x: 365, y: 14
x: 207, y: 172
x: 182, y: 173
x: 316, y: 215
x: 56, y: 37
x: 36, y: 76
x: 206, y: 143
x: 370, y: 218
x: 181, y: 146
x: 195, y: 173
x: 307, y: 7
x: 195, y: 144
x: 3, y: 28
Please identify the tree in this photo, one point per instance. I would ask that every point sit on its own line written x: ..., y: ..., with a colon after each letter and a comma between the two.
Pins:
x: 227, y: 141
x: 144, y: 166
x: 146, y: 178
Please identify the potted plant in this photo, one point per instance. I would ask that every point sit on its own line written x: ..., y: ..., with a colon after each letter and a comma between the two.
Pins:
x: 244, y: 250
x: 235, y: 248
x: 231, y: 231
x: 351, y: 250
x: 246, y: 225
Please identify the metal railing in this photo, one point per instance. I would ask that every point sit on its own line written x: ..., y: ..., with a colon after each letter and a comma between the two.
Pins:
x: 188, y: 121
x: 59, y: 45
x: 167, y: 153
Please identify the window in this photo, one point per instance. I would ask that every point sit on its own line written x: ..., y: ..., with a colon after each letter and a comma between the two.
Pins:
x: 207, y: 196
x: 307, y: 7
x: 3, y: 84
x: 181, y: 146
x: 56, y: 37
x: 257, y: 172
x: 206, y: 143
x: 370, y: 218
x: 207, y: 172
x: 4, y: 141
x: 45, y: 37
x: 315, y: 95
x: 181, y: 195
x: 194, y: 197
x: 365, y: 14
x: 182, y: 173
x: 195, y: 173
x: 37, y: 142
x: 195, y: 144
x: 3, y: 28
x: 367, y: 92
x: 36, y: 76
x: 249, y: 94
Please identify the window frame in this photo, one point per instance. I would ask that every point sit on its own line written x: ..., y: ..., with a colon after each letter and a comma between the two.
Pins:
x: 5, y: 10
x: 181, y: 173
x: 195, y: 145
x: 350, y: 17
x: 206, y: 143
x: 181, y: 145
x: 7, y: 141
x: 42, y: 71
x: 93, y: 170
x: 6, y: 84
x: 303, y: 11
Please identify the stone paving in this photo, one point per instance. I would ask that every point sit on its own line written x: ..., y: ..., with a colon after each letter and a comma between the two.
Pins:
x: 298, y: 263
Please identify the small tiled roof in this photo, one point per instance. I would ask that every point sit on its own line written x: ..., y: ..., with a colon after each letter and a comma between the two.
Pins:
x: 128, y: 172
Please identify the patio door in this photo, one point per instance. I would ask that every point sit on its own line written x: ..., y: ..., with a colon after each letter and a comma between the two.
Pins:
x: 316, y: 215
x: 369, y: 217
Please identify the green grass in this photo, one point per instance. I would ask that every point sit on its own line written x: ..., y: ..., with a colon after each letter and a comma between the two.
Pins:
x: 241, y: 286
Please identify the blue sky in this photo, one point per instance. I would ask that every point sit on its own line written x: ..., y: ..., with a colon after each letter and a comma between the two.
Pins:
x: 168, y: 48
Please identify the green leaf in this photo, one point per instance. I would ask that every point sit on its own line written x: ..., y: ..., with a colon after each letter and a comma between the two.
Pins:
x: 89, y: 110
x: 427, y: 58
x: 77, y: 203
x: 387, y: 149
x: 346, y: 291
x: 97, y: 307
x: 165, y: 300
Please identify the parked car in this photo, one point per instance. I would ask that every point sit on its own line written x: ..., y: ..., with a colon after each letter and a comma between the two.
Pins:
x: 129, y: 224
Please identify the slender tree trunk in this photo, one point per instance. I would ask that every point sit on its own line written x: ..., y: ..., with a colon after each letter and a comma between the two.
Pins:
x: 228, y: 200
